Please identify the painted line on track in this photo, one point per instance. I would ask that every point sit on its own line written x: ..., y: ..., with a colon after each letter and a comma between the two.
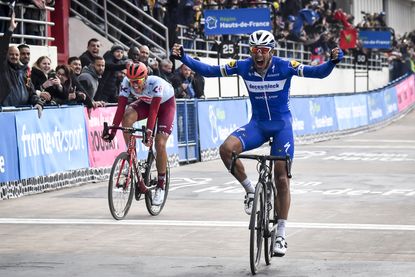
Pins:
x: 186, y: 223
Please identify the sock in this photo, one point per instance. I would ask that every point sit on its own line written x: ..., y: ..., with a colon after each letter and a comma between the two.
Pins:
x: 160, y: 180
x: 248, y: 185
x: 281, y: 228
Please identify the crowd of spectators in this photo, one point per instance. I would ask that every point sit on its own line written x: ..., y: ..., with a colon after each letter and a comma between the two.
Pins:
x: 92, y: 78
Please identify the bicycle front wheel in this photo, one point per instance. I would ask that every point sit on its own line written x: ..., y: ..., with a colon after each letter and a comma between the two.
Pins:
x: 256, y: 228
x: 151, y: 181
x: 270, y: 222
x: 120, y: 187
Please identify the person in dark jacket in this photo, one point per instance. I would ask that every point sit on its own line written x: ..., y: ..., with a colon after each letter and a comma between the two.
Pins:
x: 91, y: 74
x: 16, y: 87
x: 114, y: 63
x: 92, y: 51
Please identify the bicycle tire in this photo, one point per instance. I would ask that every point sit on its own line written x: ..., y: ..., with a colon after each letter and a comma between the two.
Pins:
x: 151, y: 181
x: 269, y: 238
x: 256, y: 228
x: 120, y: 196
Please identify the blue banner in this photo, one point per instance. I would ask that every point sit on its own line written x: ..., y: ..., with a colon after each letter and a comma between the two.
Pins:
x: 391, y: 102
x: 301, y: 116
x: 218, y: 119
x: 313, y: 115
x: 53, y: 143
x: 376, y: 39
x: 9, y: 160
x: 236, y: 21
x: 351, y: 111
x: 376, y: 107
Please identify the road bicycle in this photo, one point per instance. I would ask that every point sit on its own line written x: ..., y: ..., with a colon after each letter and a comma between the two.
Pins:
x: 132, y: 177
x: 264, y: 218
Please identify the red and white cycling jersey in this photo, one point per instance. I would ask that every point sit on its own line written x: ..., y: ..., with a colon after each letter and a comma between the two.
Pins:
x: 154, y: 87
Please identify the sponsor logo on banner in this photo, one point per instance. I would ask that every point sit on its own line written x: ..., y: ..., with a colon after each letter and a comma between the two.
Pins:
x: 101, y: 153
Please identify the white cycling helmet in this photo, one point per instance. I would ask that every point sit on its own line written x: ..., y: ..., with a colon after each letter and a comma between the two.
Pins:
x: 262, y: 38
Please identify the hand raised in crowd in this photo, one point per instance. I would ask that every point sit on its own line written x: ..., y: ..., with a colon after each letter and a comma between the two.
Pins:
x: 336, y: 55
x: 177, y: 51
x: 72, y: 96
x: 13, y: 23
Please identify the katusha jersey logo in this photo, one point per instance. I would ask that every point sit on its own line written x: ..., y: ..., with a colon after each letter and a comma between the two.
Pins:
x: 211, y: 22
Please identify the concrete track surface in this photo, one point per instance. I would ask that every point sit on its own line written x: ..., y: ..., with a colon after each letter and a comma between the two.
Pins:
x: 352, y: 214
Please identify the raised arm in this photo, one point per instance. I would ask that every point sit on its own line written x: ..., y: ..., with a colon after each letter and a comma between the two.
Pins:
x: 323, y: 70
x: 197, y: 66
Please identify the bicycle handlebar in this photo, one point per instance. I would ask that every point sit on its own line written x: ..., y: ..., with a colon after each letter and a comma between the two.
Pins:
x: 130, y: 130
x: 260, y: 159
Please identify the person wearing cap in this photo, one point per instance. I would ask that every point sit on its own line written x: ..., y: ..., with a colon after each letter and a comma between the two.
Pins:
x: 268, y: 80
x: 115, y: 62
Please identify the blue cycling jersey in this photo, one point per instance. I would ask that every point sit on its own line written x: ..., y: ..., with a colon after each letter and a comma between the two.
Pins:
x: 269, y: 94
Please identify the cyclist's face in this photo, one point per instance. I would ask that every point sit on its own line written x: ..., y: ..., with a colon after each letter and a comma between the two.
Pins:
x: 261, y: 56
x: 138, y: 84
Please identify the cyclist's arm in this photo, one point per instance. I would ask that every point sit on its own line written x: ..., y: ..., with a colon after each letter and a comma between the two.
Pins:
x: 122, y: 103
x: 318, y: 71
x: 208, y: 70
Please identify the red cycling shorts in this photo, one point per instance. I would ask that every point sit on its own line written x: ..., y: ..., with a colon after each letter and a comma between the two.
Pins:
x: 165, y: 115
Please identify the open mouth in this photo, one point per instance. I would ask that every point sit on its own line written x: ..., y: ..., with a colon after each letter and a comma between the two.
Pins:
x: 260, y: 63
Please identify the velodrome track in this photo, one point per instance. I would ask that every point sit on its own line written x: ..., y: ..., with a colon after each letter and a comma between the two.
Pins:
x: 352, y: 214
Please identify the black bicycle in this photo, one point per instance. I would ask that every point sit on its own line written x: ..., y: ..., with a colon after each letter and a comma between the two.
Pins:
x: 263, y: 221
x: 126, y: 173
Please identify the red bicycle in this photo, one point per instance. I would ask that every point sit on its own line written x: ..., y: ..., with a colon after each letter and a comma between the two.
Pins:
x: 130, y: 176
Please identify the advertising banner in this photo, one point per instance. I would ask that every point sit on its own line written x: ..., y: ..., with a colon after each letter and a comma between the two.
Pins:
x: 218, y: 119
x: 351, y: 111
x: 9, y: 160
x: 376, y: 107
x: 313, y: 115
x: 391, y: 102
x: 376, y: 39
x: 53, y: 143
x: 101, y: 153
x: 236, y: 21
x: 301, y: 116
x: 405, y: 91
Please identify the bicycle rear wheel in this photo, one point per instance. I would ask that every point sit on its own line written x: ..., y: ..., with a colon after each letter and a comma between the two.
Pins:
x: 120, y: 188
x: 256, y: 228
x: 270, y: 221
x: 151, y: 181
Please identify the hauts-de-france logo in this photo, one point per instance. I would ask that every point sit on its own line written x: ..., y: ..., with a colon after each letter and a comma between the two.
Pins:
x: 211, y: 22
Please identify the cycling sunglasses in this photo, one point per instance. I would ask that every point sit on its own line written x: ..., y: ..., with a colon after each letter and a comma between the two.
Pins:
x: 138, y: 81
x: 262, y: 50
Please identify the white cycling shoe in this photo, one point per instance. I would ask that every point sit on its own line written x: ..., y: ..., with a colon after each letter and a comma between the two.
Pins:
x: 248, y: 202
x: 158, y: 197
x: 280, y: 247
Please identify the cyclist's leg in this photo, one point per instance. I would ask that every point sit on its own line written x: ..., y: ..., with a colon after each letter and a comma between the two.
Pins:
x: 283, y: 144
x: 245, y: 138
x: 165, y: 119
x: 138, y: 110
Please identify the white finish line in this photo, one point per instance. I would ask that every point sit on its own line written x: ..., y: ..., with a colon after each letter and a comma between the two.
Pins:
x: 179, y: 223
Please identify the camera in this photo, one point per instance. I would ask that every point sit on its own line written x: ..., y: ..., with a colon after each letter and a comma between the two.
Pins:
x: 52, y: 75
x: 151, y: 61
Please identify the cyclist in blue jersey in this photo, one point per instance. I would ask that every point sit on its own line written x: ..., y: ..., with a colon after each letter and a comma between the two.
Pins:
x: 267, y: 79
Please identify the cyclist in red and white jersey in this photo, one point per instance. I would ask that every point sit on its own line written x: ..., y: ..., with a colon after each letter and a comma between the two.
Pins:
x: 156, y: 102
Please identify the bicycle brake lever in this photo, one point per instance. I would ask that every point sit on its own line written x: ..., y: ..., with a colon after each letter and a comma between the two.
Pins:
x: 105, y: 131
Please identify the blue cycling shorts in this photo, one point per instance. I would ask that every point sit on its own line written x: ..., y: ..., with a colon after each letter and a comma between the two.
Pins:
x: 256, y: 133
